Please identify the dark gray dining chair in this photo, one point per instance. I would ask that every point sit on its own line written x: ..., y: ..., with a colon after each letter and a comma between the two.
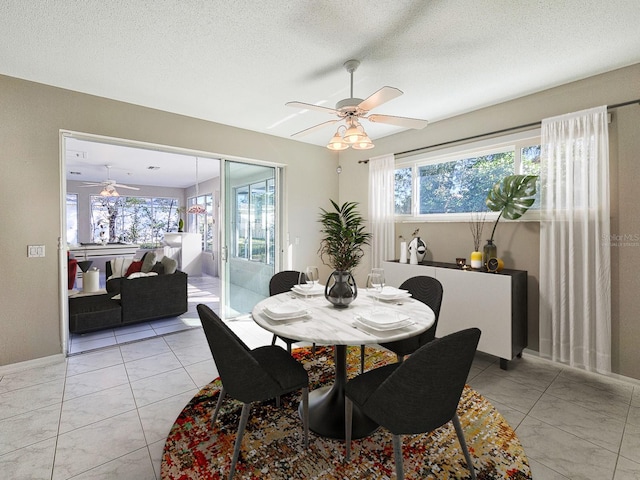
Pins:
x: 427, y: 290
x: 418, y: 395
x: 251, y: 375
x: 283, y: 282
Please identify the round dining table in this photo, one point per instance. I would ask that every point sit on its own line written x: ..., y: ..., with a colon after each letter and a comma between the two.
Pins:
x: 317, y: 321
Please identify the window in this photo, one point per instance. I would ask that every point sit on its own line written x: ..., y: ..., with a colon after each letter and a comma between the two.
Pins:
x: 447, y: 184
x: 72, y: 218
x: 202, y: 223
x: 142, y: 220
x: 254, y: 219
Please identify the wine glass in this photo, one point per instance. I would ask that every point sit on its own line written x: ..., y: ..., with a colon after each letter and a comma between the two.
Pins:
x: 374, y: 285
x: 303, y: 285
x: 380, y: 273
x: 313, y: 275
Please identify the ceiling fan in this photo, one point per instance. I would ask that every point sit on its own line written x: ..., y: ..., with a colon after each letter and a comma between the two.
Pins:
x: 352, y: 110
x: 108, y: 185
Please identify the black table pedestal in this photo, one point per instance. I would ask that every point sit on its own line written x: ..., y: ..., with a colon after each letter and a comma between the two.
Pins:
x: 326, y: 405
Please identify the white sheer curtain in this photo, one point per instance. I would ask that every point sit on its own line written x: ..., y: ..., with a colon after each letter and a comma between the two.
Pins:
x: 381, y: 208
x: 575, y: 272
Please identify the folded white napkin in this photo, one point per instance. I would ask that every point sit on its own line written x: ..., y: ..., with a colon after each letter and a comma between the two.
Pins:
x: 316, y: 289
x: 287, y: 309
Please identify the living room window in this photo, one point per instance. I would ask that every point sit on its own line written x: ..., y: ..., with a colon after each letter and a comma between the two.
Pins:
x: 202, y: 223
x: 254, y: 212
x: 72, y: 218
x: 449, y: 184
x: 141, y: 220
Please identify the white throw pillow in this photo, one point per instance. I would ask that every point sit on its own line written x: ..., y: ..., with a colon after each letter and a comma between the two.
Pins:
x: 119, y: 267
x: 141, y: 274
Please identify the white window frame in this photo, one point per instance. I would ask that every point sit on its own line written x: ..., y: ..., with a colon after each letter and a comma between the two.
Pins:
x: 514, y: 141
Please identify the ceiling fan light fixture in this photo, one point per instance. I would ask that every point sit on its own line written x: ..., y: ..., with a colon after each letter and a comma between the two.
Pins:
x: 109, y: 191
x: 364, y: 144
x: 336, y: 142
x: 355, y: 133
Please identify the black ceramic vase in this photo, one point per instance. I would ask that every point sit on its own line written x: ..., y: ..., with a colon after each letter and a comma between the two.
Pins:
x: 341, y: 289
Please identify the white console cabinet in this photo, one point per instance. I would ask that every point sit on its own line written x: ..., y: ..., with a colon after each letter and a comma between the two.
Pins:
x: 496, y: 303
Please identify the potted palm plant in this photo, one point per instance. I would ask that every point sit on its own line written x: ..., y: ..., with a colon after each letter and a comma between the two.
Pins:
x: 512, y: 197
x: 341, y: 249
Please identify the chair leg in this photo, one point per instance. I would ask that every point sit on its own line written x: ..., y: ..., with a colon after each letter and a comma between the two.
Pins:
x: 305, y: 415
x: 463, y: 444
x: 348, y: 415
x: 218, y: 405
x: 273, y: 340
x: 400, y: 358
x: 278, y: 401
x: 246, y: 408
x: 397, y: 455
x: 361, y: 358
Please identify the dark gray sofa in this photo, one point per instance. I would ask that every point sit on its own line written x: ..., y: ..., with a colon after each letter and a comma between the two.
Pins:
x: 145, y: 298
x: 148, y: 298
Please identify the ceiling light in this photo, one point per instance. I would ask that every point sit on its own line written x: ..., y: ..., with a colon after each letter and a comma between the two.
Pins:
x: 336, y: 142
x: 354, y: 136
x: 109, y: 191
x: 355, y: 133
x: 196, y: 208
x: 364, y: 144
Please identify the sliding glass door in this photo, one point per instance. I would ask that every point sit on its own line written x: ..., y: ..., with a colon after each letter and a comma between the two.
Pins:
x: 251, y: 235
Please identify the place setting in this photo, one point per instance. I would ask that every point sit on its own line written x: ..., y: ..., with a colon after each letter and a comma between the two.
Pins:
x: 380, y: 318
x: 377, y: 289
x: 309, y: 283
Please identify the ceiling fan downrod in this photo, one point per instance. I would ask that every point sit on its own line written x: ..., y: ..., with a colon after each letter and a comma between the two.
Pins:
x: 351, y: 66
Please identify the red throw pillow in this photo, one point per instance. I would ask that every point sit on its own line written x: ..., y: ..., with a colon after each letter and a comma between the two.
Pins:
x: 133, y: 268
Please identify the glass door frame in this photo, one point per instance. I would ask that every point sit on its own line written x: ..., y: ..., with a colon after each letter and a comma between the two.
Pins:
x: 227, y: 220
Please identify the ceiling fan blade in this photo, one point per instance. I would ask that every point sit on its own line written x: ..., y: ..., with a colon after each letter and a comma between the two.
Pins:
x: 89, y: 184
x: 125, y: 186
x: 315, y: 127
x: 309, y: 106
x: 378, y: 98
x: 398, y: 121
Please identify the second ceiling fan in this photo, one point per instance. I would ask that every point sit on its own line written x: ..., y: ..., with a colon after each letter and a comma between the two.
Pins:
x: 352, y: 110
x: 108, y: 185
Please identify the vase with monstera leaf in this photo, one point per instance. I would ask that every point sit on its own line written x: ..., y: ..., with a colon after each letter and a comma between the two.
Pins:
x: 512, y: 196
x: 341, y: 248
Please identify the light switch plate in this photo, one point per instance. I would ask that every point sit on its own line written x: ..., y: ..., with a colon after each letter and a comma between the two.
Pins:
x: 35, y: 250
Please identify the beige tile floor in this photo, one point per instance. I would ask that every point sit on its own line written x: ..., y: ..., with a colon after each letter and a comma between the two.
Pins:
x: 105, y: 414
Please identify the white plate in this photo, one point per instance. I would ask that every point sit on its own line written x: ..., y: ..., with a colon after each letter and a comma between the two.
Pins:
x: 280, y: 318
x: 392, y: 295
x: 385, y: 328
x: 383, y: 318
x: 292, y: 309
x: 317, y: 289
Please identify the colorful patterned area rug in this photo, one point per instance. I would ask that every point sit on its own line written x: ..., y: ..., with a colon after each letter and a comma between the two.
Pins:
x: 272, y: 444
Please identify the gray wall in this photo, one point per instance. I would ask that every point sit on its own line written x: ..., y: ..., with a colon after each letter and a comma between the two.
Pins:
x: 31, y: 117
x: 519, y: 242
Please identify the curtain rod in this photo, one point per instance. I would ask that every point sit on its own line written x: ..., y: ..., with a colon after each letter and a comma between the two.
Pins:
x: 495, y: 132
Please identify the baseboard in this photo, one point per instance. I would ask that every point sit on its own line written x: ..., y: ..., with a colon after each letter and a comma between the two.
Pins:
x: 28, y: 364
x: 614, y: 376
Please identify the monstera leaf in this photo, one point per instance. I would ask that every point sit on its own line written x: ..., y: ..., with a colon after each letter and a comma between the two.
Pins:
x: 512, y: 197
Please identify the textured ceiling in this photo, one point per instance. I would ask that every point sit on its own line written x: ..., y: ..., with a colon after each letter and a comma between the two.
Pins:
x: 238, y: 62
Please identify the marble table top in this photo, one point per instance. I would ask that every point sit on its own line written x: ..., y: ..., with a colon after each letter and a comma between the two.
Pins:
x: 326, y: 325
